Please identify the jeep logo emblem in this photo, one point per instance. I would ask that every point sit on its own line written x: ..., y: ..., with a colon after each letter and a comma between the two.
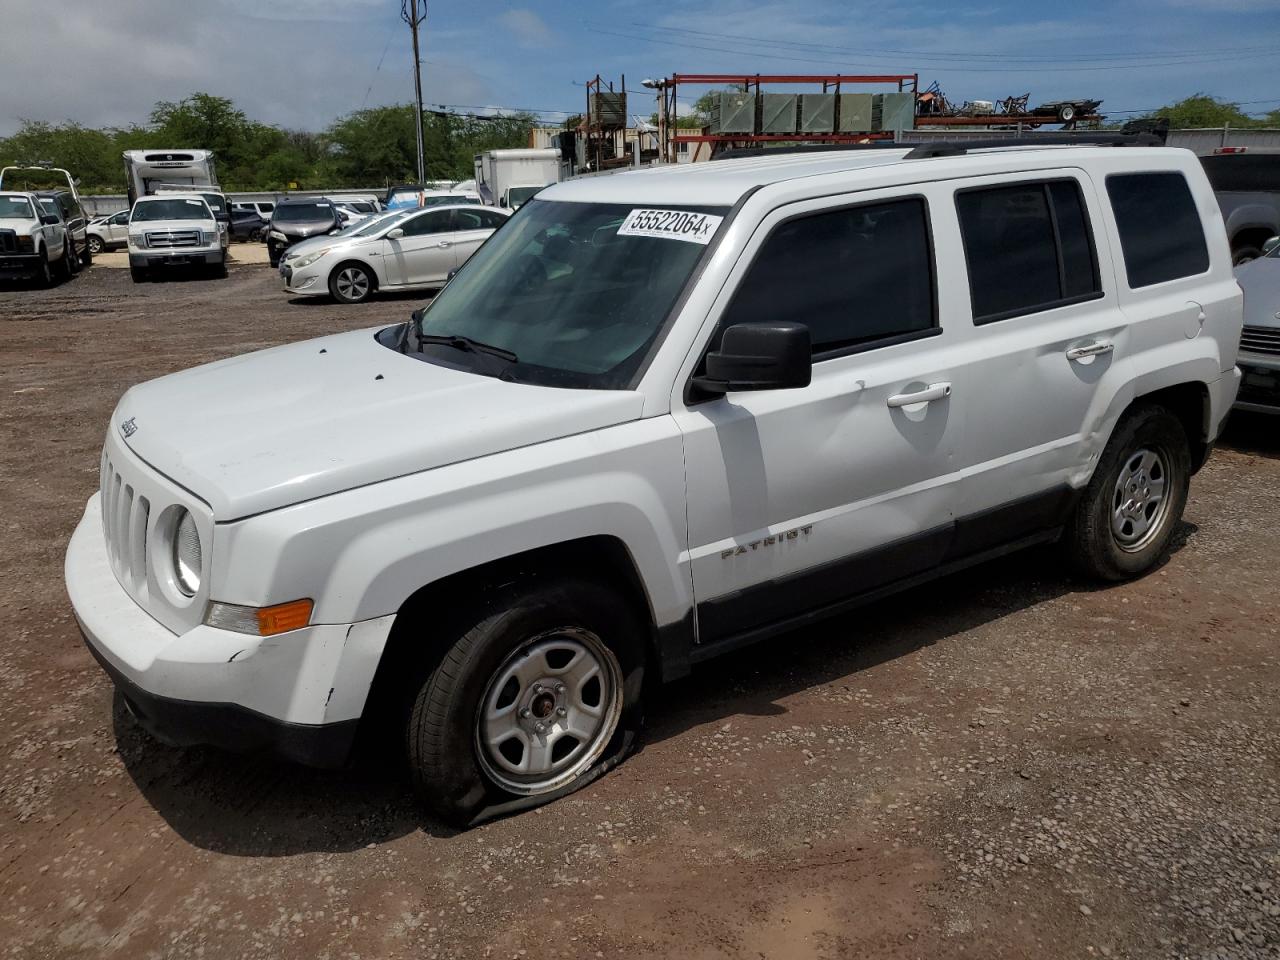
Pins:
x: 129, y: 427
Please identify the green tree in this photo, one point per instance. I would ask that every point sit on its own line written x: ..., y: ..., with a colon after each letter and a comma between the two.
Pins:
x: 1202, y: 110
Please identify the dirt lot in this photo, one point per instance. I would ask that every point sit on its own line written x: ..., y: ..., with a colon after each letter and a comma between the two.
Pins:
x: 1004, y: 764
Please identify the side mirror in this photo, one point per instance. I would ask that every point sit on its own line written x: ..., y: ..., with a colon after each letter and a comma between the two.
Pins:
x: 48, y: 219
x: 1270, y: 244
x: 759, y: 356
x: 395, y: 234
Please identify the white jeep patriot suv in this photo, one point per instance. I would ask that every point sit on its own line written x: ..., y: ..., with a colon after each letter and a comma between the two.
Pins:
x: 656, y: 416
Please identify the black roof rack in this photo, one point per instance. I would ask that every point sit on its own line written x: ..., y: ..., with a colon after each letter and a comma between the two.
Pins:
x: 955, y: 148
x: 737, y: 153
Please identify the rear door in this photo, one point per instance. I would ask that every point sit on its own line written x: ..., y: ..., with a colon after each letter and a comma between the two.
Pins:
x: 424, y: 254
x: 117, y: 228
x: 1049, y: 345
x: 473, y: 227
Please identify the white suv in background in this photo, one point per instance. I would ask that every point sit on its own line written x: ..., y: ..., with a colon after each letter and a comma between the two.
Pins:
x: 174, y: 230
x: 657, y: 416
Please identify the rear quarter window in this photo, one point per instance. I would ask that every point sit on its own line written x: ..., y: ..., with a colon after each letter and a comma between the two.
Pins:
x: 1161, y: 236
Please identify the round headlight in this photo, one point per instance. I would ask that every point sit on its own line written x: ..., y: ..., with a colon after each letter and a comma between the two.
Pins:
x: 187, y: 555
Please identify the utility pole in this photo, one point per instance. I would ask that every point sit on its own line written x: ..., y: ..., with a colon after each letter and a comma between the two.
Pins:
x: 413, y: 12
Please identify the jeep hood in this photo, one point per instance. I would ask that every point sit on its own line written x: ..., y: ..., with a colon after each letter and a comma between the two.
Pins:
x: 268, y: 429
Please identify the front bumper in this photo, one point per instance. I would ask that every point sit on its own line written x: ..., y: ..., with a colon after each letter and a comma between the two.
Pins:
x: 304, y: 283
x: 1260, y: 383
x: 175, y: 257
x: 16, y: 265
x: 299, y: 694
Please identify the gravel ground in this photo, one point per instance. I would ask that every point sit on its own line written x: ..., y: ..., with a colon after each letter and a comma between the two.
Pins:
x: 1007, y: 763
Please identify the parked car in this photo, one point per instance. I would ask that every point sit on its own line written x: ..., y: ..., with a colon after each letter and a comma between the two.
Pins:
x: 654, y: 418
x: 34, y: 244
x: 262, y: 208
x: 108, y: 233
x: 247, y: 225
x: 217, y: 202
x: 67, y: 206
x: 400, y: 198
x: 293, y: 221
x: 1247, y: 186
x: 169, y: 230
x: 1260, y: 341
x: 405, y: 250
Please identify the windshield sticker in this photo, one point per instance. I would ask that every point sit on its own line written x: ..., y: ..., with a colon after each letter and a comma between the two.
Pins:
x: 195, y: 203
x: 670, y: 225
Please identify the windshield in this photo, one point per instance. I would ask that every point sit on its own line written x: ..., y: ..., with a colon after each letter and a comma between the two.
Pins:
x: 179, y: 209
x: 16, y: 208
x: 359, y: 206
x: 217, y: 203
x: 304, y: 212
x: 518, y: 195
x: 579, y: 300
x: 51, y: 206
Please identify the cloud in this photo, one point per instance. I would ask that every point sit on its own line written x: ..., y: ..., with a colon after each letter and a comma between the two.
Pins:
x: 529, y: 29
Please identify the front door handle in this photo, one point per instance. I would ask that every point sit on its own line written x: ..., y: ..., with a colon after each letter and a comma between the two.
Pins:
x: 445, y: 243
x: 1095, y: 349
x: 934, y: 391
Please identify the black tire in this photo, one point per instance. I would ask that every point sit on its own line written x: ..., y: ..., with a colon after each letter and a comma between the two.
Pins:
x: 255, y: 235
x: 220, y: 270
x: 1244, y: 255
x: 45, y: 277
x: 73, y: 260
x: 352, y: 282
x: 96, y: 245
x: 66, y: 263
x: 139, y: 274
x: 451, y: 776
x: 1066, y: 113
x: 86, y: 257
x: 1094, y: 544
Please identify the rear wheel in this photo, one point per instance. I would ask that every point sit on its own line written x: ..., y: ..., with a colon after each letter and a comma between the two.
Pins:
x: 1066, y: 113
x: 539, y: 689
x: 1126, y: 518
x: 351, y: 283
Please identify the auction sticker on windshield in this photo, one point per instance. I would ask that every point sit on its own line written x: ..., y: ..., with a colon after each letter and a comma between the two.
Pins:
x: 670, y: 225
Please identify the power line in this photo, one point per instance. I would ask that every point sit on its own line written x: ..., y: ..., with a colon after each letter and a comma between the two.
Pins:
x: 664, y: 41
x: 374, y: 79
x: 965, y: 56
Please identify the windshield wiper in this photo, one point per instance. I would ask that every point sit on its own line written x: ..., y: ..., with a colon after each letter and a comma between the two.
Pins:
x: 460, y: 342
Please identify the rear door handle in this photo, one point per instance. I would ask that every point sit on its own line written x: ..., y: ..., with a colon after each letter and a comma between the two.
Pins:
x: 934, y: 391
x: 1097, y: 348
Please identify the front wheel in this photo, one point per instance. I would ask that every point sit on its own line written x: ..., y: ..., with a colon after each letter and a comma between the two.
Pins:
x: 86, y: 258
x: 535, y: 697
x: 351, y: 283
x: 1066, y: 113
x: 1126, y: 518
x: 95, y: 245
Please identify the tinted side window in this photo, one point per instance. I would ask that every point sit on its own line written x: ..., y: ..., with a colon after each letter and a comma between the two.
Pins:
x: 437, y: 222
x: 854, y: 276
x: 1027, y: 246
x: 1160, y: 230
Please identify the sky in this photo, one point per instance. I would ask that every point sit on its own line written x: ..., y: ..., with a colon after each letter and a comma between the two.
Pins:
x: 302, y: 64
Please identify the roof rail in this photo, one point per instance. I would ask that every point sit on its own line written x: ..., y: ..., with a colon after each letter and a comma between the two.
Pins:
x: 955, y: 148
x: 737, y: 153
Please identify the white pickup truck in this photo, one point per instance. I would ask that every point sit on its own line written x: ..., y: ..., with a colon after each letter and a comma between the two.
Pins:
x: 34, y: 241
x: 658, y: 415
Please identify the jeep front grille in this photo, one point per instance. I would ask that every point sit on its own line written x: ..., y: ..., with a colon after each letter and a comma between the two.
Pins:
x: 124, y: 526
x: 174, y: 238
x: 1261, y: 340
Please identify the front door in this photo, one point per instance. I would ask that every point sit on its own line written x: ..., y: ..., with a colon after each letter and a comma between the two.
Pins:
x: 424, y: 254
x: 118, y: 228
x: 800, y: 498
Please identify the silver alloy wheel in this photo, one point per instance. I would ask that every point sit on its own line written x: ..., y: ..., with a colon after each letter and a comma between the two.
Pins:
x: 352, y: 283
x: 1140, y: 501
x: 95, y: 245
x: 549, y: 711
